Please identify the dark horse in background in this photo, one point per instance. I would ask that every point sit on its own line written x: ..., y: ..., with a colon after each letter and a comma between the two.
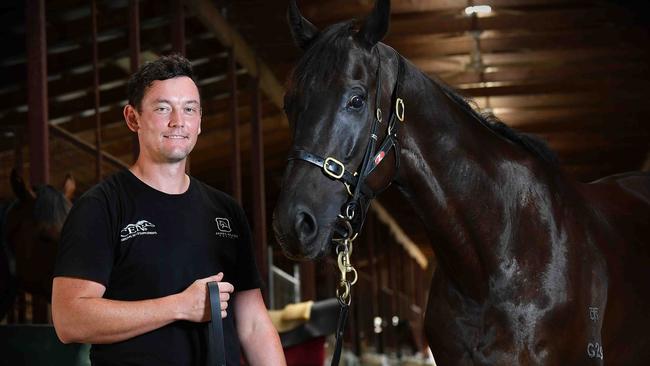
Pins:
x: 534, y: 268
x: 30, y: 229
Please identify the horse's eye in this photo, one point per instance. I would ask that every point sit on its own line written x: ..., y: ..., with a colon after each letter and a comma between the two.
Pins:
x: 356, y: 102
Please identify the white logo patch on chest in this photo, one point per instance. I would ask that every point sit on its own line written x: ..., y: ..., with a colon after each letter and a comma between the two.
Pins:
x: 223, y: 228
x: 142, y: 227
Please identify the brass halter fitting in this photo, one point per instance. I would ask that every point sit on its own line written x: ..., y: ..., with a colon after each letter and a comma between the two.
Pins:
x: 399, y: 109
x: 331, y: 161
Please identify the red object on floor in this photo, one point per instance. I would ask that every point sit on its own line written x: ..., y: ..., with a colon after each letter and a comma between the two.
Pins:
x: 308, y: 353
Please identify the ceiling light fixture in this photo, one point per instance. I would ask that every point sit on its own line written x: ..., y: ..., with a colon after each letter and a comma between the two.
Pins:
x: 479, y: 10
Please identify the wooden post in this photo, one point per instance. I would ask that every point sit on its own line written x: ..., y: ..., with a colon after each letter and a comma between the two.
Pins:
x: 37, y: 113
x: 37, y: 116
x: 178, y: 27
x: 257, y: 162
x: 235, y: 155
x: 178, y: 43
x: 307, y: 281
x: 379, y: 300
x: 18, y: 150
x: 134, y: 56
x: 98, y: 116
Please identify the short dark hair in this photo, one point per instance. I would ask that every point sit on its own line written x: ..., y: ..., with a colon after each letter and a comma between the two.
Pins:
x: 165, y: 67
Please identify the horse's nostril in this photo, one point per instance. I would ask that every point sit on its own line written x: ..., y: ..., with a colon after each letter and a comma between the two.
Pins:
x: 306, y: 227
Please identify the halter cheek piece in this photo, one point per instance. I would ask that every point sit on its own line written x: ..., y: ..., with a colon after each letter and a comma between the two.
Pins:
x: 355, y: 183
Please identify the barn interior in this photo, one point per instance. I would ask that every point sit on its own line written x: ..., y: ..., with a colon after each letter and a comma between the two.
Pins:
x: 573, y: 72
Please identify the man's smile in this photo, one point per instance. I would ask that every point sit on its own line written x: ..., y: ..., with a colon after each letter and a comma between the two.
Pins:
x: 174, y: 137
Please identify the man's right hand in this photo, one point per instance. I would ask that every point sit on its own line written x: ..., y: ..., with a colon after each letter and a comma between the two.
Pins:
x: 196, y: 302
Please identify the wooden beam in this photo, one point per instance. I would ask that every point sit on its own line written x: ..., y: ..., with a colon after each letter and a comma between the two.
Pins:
x: 564, y: 86
x: 399, y: 235
x: 337, y: 10
x: 86, y: 147
x: 427, y: 45
x: 530, y: 57
x: 539, y: 20
x: 155, y: 37
x: 77, y: 99
x: 229, y: 37
x: 550, y: 73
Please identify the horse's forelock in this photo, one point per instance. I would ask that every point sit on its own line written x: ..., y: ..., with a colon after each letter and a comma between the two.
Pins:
x: 324, y: 59
x: 51, y: 206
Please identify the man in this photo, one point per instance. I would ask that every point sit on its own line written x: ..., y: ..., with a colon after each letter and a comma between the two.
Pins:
x: 138, y: 249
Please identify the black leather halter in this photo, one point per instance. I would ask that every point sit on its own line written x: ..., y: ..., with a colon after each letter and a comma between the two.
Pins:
x: 355, y: 183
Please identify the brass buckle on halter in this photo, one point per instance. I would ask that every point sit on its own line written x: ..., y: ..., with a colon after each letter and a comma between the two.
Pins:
x: 331, y: 161
x: 399, y: 109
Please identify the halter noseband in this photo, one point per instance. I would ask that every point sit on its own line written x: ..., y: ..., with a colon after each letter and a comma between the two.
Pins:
x: 355, y: 183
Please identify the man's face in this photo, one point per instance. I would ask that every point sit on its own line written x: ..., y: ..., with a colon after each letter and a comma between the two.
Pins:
x: 169, y: 120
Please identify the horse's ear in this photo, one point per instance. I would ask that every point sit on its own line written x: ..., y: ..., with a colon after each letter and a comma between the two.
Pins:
x: 302, y: 31
x: 375, y: 26
x: 19, y: 187
x: 69, y: 186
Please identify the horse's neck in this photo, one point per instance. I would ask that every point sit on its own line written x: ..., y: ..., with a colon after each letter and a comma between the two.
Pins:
x: 469, y: 185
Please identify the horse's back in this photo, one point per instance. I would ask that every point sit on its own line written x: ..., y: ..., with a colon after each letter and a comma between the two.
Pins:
x: 622, y: 202
x: 634, y: 183
x: 621, y: 225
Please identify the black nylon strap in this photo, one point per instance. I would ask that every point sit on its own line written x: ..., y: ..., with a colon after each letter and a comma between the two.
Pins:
x: 216, y: 349
x: 340, y: 331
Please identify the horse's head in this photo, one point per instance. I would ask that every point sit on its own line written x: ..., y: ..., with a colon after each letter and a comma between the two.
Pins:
x: 331, y: 106
x: 33, y: 226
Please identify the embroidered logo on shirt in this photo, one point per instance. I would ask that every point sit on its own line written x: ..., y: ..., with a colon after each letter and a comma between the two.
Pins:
x: 224, y: 229
x: 142, y: 227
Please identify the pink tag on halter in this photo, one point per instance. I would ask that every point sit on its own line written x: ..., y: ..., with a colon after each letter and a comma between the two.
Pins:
x: 379, y: 157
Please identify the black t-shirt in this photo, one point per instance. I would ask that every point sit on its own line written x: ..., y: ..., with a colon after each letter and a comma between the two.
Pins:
x: 142, y: 243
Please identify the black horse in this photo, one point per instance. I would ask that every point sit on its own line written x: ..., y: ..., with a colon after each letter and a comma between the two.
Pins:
x: 534, y: 268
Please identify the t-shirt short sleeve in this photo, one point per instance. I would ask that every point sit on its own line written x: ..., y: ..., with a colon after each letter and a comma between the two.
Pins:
x: 247, y: 272
x: 86, y: 248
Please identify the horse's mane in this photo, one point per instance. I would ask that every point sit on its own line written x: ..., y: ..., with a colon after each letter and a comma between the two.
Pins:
x: 51, y: 206
x: 323, y: 60
x: 530, y: 142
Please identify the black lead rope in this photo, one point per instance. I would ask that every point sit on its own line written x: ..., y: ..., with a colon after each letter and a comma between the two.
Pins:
x: 216, y: 349
x: 340, y: 330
